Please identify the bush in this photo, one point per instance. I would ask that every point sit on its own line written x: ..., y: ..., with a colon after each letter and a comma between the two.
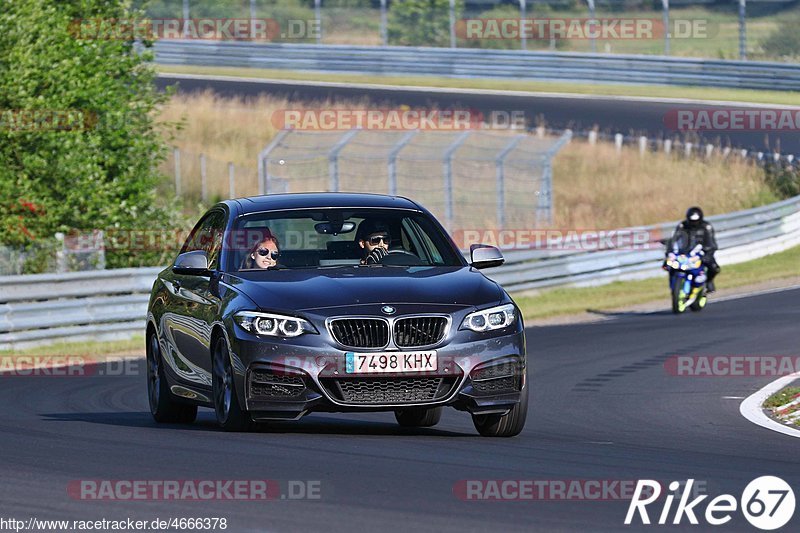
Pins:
x: 98, y: 169
x: 784, y: 42
x: 784, y: 181
x: 421, y: 22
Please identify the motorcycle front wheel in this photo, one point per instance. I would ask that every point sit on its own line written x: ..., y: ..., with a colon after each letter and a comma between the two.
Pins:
x: 678, y: 297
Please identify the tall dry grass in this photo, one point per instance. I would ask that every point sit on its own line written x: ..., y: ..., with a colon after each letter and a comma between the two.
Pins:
x: 594, y: 186
x: 227, y: 130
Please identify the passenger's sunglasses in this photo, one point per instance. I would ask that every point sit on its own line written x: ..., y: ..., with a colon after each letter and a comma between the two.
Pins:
x: 376, y: 240
x: 263, y: 252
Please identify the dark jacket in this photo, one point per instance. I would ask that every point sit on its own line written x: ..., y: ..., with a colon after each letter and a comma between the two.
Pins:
x: 690, y: 235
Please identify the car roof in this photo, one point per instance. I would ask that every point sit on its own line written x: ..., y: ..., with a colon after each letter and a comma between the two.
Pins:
x: 254, y: 204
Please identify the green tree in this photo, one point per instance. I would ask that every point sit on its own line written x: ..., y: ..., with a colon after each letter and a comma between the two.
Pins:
x: 97, y: 168
x: 421, y: 22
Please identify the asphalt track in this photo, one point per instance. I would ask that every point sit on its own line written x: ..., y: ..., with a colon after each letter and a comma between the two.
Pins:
x: 611, y: 115
x: 603, y: 408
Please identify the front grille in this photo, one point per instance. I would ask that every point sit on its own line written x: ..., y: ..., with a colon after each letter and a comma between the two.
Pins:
x: 360, y: 332
x: 419, y: 331
x: 373, y: 391
x: 267, y: 384
x: 505, y: 377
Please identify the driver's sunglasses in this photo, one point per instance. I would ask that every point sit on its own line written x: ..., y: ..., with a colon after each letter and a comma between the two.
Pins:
x: 263, y: 252
x: 376, y: 240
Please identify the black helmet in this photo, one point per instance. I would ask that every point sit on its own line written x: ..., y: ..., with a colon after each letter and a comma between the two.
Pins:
x: 694, y: 215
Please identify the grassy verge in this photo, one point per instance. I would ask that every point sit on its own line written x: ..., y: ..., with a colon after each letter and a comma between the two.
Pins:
x: 93, y: 350
x: 653, y: 91
x: 567, y: 301
x: 782, y: 397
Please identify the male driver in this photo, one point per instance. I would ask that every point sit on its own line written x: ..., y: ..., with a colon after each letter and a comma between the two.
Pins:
x: 373, y: 237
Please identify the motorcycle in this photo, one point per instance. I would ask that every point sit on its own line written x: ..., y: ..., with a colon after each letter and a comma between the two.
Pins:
x: 687, y: 279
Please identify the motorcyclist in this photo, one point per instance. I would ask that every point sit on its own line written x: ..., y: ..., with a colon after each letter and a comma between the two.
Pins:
x: 693, y: 231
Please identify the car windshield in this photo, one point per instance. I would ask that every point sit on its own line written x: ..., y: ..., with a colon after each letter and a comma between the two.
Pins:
x: 329, y: 238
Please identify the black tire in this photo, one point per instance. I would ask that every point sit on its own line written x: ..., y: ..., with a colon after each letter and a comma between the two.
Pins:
x: 230, y: 415
x: 507, y: 425
x: 418, y: 417
x: 677, y: 290
x: 163, y: 406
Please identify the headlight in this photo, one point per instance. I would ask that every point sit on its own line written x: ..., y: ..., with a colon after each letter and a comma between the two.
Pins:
x: 273, y: 325
x: 489, y: 319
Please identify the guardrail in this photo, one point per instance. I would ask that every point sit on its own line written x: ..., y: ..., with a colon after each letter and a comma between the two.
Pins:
x: 96, y: 304
x: 741, y: 236
x: 112, y: 303
x: 482, y: 63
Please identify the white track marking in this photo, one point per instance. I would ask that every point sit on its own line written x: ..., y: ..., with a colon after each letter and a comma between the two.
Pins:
x: 750, y: 408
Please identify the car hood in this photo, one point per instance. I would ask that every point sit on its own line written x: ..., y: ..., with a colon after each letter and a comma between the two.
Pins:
x: 308, y: 289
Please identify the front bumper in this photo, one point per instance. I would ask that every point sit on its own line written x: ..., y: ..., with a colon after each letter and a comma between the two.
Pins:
x: 278, y: 379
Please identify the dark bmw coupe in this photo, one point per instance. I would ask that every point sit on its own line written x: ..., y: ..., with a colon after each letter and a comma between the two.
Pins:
x: 280, y: 305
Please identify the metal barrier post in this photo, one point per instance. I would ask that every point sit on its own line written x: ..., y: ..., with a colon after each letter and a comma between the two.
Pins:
x: 61, y: 254
x: 665, y: 6
x: 264, y: 179
x: 318, y: 16
x: 592, y: 18
x: 501, y: 182
x: 546, y: 192
x: 101, y: 251
x: 184, y: 26
x: 452, y: 23
x: 384, y: 24
x: 448, y: 178
x: 392, y: 165
x: 333, y: 159
x: 742, y: 29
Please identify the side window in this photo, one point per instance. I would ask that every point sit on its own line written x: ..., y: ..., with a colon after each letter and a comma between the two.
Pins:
x: 414, y: 233
x: 207, y: 236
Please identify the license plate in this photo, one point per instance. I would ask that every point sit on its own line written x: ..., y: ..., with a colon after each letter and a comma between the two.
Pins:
x: 376, y: 363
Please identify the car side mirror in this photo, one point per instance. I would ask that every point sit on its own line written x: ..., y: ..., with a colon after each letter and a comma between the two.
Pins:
x: 193, y: 263
x: 485, y: 256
